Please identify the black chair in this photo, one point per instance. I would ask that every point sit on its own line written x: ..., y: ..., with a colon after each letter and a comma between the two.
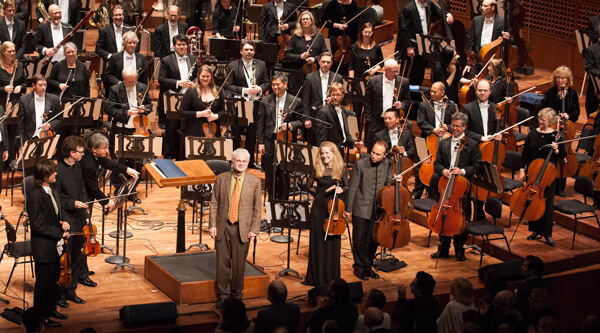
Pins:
x: 425, y: 205
x: 584, y: 186
x: 522, y: 114
x: 483, y: 228
x: 512, y: 161
x: 16, y: 250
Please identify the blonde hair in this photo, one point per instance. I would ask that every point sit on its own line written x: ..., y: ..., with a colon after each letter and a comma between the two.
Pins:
x: 3, y: 48
x: 462, y: 290
x: 211, y: 85
x: 550, y: 113
x: 338, y: 161
x: 563, y: 71
x: 499, y: 67
x: 313, y: 29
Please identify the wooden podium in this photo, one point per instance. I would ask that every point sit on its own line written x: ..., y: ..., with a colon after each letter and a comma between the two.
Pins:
x: 197, y: 172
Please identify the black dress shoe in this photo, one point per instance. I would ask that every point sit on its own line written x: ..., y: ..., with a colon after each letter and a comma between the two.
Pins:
x: 372, y: 274
x: 63, y: 303
x: 550, y: 242
x: 533, y: 236
x: 436, y: 255
x: 50, y: 323
x: 87, y: 282
x: 461, y: 256
x: 91, y: 273
x: 58, y: 315
x: 76, y: 299
x: 361, y: 275
x: 220, y: 303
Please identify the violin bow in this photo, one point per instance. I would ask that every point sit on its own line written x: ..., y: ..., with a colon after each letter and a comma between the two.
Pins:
x: 407, y: 170
x: 293, y: 12
x: 314, y: 40
x: 357, y: 15
x: 221, y: 88
x: 481, y: 71
x: 67, y: 81
x: 431, y: 106
x: 524, y: 91
x: 379, y: 63
x: 567, y: 141
x: 401, y: 77
x: 335, y: 74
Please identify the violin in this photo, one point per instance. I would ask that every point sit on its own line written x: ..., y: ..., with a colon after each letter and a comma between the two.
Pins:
x: 141, y: 120
x: 342, y: 53
x: 66, y: 275
x: 335, y: 223
x: 283, y: 135
x: 91, y: 248
x: 45, y: 133
x: 283, y: 41
x: 447, y: 217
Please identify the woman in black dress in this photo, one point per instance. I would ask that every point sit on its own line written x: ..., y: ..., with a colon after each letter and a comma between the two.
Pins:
x: 69, y: 77
x: 324, y: 256
x: 302, y: 38
x: 222, y: 20
x: 448, y: 71
x: 335, y: 15
x: 13, y: 82
x: 532, y: 149
x: 497, y: 77
x: 196, y: 108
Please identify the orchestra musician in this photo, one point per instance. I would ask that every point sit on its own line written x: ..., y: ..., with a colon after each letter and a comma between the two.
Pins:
x: 110, y: 6
x: 110, y: 38
x: 71, y: 190
x: 21, y: 11
x: 223, y: 18
x: 12, y: 74
x: 532, y: 149
x: 50, y: 34
x: 69, y: 77
x: 381, y: 95
x: 335, y: 15
x: 592, y: 66
x: 324, y: 255
x: 177, y: 74
x: 275, y: 115
x: 414, y: 19
x: 315, y: 94
x: 163, y: 35
x: 467, y: 166
x: 448, y: 71
x: 271, y: 17
x: 390, y: 134
x: 47, y: 232
x: 126, y: 58
x: 486, y: 27
x: 70, y: 9
x: 497, y: 78
x: 35, y: 108
x: 368, y: 176
x: 12, y: 29
x: 302, y: 37
x: 4, y: 143
x: 249, y: 80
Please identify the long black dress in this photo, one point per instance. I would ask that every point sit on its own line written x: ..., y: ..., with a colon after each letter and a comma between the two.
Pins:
x: 190, y: 104
x: 324, y: 256
x: 358, y: 56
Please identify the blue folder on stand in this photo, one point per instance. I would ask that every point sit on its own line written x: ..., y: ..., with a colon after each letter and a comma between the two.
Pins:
x: 169, y: 168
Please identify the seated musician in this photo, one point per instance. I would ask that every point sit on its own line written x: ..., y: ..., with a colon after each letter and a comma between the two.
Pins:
x: 110, y: 38
x: 51, y: 34
x: 163, y: 35
x: 12, y: 29
x: 486, y: 27
x: 274, y: 116
x: 467, y: 165
x: 36, y: 110
x: 333, y: 124
x: 315, y: 93
x: 271, y: 23
x: 71, y: 15
x: 127, y: 58
x: 223, y: 18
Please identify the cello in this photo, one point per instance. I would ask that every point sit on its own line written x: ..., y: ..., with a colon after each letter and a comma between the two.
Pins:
x: 494, y: 153
x: 509, y: 116
x: 427, y: 169
x: 500, y: 47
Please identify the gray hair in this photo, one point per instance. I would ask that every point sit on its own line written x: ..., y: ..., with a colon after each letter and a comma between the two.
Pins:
x: 389, y: 63
x: 240, y: 151
x: 71, y: 45
x: 97, y: 140
x: 461, y: 116
x: 130, y: 35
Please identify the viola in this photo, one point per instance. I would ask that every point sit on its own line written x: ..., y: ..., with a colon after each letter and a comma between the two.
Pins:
x: 335, y: 223
x: 283, y: 41
x: 91, y: 248
x: 65, y: 268
x: 447, y: 217
x: 342, y: 53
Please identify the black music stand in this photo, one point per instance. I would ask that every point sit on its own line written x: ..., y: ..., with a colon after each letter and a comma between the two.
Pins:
x: 224, y: 49
x: 122, y: 212
x: 289, y: 214
x: 237, y: 110
x: 430, y: 47
x: 172, y: 103
x: 267, y: 52
x: 138, y: 148
x: 79, y: 115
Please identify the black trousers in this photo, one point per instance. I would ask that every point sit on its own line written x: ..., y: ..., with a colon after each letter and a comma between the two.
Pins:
x: 543, y: 226
x: 363, y: 248
x: 282, y: 179
x: 591, y: 101
x: 78, y: 264
x: 45, y: 291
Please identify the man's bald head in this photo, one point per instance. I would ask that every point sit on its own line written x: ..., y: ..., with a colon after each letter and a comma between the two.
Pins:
x: 277, y: 292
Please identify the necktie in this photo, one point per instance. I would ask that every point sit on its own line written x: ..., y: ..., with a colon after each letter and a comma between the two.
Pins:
x: 235, y: 202
x: 53, y: 201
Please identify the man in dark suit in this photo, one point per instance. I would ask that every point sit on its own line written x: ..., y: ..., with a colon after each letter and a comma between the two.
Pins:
x: 249, y: 80
x: 71, y: 8
x: 369, y: 175
x: 275, y: 115
x: 271, y: 23
x: 315, y: 92
x: 415, y: 19
x: 417, y: 314
x: 466, y: 166
x: 34, y: 108
x: 380, y: 97
x: 235, y: 207
x: 279, y: 313
x: 12, y: 29
x: 164, y: 33
x: 51, y: 34
x: 486, y: 27
x: 110, y: 38
x: 47, y: 230
x: 390, y: 134
x: 127, y: 58
x: 336, y: 116
x: 21, y: 11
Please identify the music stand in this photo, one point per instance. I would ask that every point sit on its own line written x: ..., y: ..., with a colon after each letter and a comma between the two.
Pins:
x: 289, y: 214
x: 122, y: 212
x: 488, y: 179
x: 82, y: 114
x: 239, y: 111
x: 430, y: 47
x: 224, y: 49
x: 267, y: 52
x: 172, y: 103
x: 138, y: 148
x: 11, y: 114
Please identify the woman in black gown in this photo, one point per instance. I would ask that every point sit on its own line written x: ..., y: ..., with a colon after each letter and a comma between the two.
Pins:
x: 324, y: 256
x: 223, y: 18
x: 69, y: 77
x: 10, y: 70
x: 302, y: 38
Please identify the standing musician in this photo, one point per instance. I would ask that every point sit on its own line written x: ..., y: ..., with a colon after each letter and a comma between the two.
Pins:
x: 497, y: 78
x: 335, y: 15
x: 110, y: 6
x: 336, y: 115
x: 271, y: 23
x: 110, y: 38
x: 532, y: 149
x: 13, y: 29
x: 163, y: 35
x: 50, y: 34
x: 562, y: 77
x: 302, y: 37
x: 381, y: 95
x: 367, y: 178
x: 390, y: 134
x: 12, y: 74
x: 223, y: 18
x: 234, y: 219
x: 315, y: 94
x: 47, y: 232
x: 275, y: 115
x: 177, y: 74
x: 415, y: 19
x: 70, y: 187
x: 70, y: 8
x: 128, y: 58
x: 22, y: 13
x: 35, y: 108
x: 4, y: 144
x: 592, y: 66
x: 249, y: 80
x: 324, y: 255
x: 467, y: 166
x: 486, y: 27
x: 448, y: 71
x: 69, y: 77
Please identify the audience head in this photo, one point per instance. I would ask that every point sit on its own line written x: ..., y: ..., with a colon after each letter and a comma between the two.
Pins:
x: 423, y: 284
x: 375, y: 298
x: 338, y: 291
x: 539, y: 299
x: 462, y: 291
x: 373, y: 317
x: 591, y: 324
x: 494, y: 281
x: 331, y: 326
x: 548, y: 324
x: 277, y: 292
x: 532, y: 265
x: 234, y: 315
x: 505, y: 300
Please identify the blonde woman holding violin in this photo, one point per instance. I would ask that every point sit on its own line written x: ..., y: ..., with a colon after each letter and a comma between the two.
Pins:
x: 328, y: 178
x: 304, y: 36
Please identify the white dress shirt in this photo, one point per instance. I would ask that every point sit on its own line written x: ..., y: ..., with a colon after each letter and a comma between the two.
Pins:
x: 118, y: 37
x: 338, y: 111
x: 248, y: 73
x: 422, y: 9
x: 388, y: 94
x: 486, y: 32
x: 279, y: 109
x: 454, y: 150
x: 10, y: 25
x: 437, y: 108
x: 133, y: 103
x: 393, y: 136
x: 279, y: 8
x: 173, y: 31
x: 57, y: 37
x: 483, y: 108
x: 129, y: 60
x: 324, y: 85
x: 183, y: 69
x: 40, y: 105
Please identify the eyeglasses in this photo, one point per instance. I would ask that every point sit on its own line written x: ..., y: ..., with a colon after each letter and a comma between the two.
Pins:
x: 80, y: 151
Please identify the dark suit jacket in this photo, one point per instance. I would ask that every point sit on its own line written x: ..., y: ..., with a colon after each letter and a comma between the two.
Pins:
x: 409, y: 25
x: 237, y: 79
x: 79, y: 82
x: 107, y: 44
x: 169, y: 72
x: 469, y: 158
x: 267, y: 116
x: 70, y: 187
x: 476, y: 29
x: 19, y: 80
x: 162, y: 42
x: 22, y: 13
x: 43, y: 36
x: 276, y: 315
x: 406, y: 141
x: 373, y: 101
x: 333, y: 134
x: 119, y: 94
x: 475, y: 127
x: 269, y: 22
x: 18, y: 35
x: 46, y: 230
x: 90, y: 168
x: 26, y: 114
x: 592, y: 59
x: 594, y: 23
x: 364, y: 185
x: 312, y: 94
x: 426, y: 118
x: 74, y: 8
x: 113, y: 73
